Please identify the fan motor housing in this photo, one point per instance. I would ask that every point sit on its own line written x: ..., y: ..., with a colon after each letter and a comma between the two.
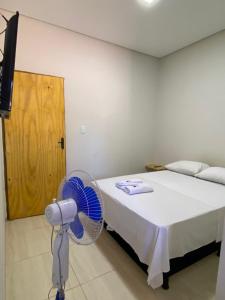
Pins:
x: 61, y: 212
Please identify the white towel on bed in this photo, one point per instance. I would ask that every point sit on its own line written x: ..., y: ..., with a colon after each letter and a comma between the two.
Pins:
x: 132, y: 181
x: 137, y: 189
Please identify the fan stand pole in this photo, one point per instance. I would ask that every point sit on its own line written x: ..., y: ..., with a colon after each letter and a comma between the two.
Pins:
x: 60, y: 271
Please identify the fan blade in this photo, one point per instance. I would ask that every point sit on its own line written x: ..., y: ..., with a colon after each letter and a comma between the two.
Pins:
x: 77, y: 228
x: 85, y: 197
x: 74, y: 189
x: 90, y: 205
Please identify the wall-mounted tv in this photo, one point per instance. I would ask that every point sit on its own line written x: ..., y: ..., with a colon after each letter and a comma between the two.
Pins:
x: 7, y: 66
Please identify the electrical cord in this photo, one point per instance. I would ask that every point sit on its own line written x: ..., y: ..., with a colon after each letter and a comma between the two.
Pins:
x: 2, y: 56
x: 62, y: 287
x: 3, y: 31
x: 4, y: 18
x: 60, y: 246
x: 52, y: 255
x: 52, y: 240
x: 49, y: 293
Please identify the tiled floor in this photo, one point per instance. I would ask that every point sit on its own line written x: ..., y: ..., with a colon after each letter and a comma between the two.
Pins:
x: 98, y: 272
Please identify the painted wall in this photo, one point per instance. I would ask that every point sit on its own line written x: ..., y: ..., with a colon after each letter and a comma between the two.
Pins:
x: 190, y: 109
x: 113, y: 91
x: 109, y: 89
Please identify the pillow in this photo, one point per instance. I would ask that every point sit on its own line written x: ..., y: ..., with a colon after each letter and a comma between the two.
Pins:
x: 214, y: 174
x: 187, y: 167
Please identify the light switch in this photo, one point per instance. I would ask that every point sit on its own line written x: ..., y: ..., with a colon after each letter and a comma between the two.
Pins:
x: 83, y: 129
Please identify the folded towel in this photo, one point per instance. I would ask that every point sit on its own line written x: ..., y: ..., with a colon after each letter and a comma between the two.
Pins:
x: 132, y: 181
x: 137, y: 189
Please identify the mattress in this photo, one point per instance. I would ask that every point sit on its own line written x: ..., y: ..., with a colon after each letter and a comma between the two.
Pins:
x: 182, y: 214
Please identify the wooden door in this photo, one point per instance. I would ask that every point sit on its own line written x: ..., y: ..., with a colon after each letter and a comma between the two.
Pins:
x: 34, y: 158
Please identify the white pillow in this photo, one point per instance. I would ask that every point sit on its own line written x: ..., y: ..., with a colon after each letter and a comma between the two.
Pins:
x: 187, y: 167
x: 215, y: 174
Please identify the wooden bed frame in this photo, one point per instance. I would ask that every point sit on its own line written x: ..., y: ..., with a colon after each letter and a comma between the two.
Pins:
x: 176, y: 264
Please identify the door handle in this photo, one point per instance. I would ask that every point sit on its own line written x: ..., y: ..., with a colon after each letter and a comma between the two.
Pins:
x: 61, y: 142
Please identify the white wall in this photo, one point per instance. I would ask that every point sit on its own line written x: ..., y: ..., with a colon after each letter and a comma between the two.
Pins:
x: 190, y: 110
x: 113, y: 90
x: 109, y: 89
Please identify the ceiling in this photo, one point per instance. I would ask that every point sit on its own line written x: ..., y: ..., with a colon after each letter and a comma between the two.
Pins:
x: 158, y: 30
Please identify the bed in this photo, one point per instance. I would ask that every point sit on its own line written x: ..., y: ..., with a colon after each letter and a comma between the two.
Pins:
x: 181, y: 215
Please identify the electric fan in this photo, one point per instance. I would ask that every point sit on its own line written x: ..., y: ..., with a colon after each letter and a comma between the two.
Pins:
x: 79, y: 212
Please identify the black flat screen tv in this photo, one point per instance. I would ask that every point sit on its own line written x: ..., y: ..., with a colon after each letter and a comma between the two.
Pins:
x: 7, y: 66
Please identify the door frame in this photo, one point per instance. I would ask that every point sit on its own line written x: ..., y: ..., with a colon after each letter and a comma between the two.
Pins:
x: 4, y: 143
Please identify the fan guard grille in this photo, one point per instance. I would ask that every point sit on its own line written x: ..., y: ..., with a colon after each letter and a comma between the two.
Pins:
x: 83, y: 188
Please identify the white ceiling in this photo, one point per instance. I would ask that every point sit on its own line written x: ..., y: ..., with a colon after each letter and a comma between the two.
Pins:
x: 158, y: 30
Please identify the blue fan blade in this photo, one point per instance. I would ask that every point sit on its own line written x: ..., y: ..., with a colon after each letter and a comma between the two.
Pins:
x: 90, y: 205
x: 77, y: 228
x: 73, y: 189
x: 85, y: 197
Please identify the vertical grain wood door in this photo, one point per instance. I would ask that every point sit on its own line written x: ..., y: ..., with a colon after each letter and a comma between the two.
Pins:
x: 34, y: 158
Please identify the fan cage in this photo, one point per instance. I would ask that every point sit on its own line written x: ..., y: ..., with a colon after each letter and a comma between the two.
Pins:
x: 92, y: 229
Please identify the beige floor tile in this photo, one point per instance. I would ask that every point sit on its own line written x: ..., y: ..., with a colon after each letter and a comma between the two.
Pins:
x: 22, y: 243
x: 88, y: 262
x: 179, y: 291
x: 113, y: 286
x: 27, y: 223
x: 104, y: 269
x: 113, y: 252
x: 31, y: 278
x: 197, y: 282
x: 205, y: 271
x: 74, y: 294
x: 97, y: 259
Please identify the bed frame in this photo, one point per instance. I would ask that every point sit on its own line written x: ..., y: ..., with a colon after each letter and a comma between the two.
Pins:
x: 176, y: 264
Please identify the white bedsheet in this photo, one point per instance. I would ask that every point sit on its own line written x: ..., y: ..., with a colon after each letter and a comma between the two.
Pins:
x: 205, y: 191
x: 176, y: 218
